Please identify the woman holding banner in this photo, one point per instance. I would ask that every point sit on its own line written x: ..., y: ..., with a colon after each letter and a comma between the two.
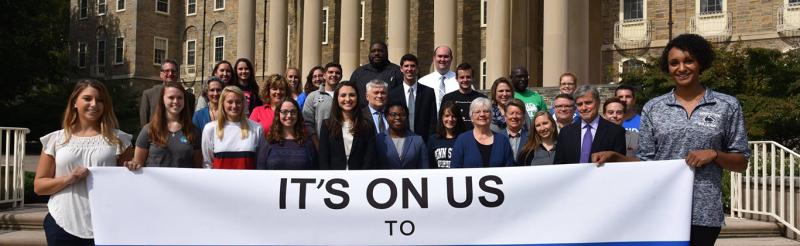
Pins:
x: 89, y: 138
x: 540, y: 148
x: 481, y: 147
x: 289, y: 146
x: 170, y: 139
x: 695, y: 123
x: 230, y: 142
x: 347, y: 138
x: 440, y: 144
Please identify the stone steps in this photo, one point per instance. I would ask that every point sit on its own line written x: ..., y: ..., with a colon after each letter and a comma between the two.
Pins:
x: 23, y: 226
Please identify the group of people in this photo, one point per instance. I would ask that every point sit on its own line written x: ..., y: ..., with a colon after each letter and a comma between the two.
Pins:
x: 387, y: 117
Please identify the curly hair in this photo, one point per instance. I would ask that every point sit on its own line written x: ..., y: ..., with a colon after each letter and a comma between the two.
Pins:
x: 697, y: 46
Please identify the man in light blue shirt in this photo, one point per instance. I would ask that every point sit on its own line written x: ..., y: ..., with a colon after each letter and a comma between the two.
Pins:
x: 377, y: 96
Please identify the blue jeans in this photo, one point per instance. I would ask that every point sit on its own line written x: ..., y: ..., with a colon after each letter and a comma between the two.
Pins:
x: 58, y: 236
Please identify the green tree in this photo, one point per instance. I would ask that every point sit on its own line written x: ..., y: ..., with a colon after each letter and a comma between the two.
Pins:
x: 766, y: 81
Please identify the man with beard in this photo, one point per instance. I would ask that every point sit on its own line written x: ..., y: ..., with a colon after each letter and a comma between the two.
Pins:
x: 533, y: 101
x: 379, y: 68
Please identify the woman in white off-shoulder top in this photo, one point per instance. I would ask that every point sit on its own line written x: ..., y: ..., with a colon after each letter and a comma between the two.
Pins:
x: 89, y: 138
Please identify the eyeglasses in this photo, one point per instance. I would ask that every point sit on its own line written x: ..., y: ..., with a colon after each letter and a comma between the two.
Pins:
x: 288, y: 112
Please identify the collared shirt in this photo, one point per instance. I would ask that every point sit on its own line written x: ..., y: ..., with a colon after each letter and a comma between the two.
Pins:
x: 374, y: 114
x: 405, y: 91
x: 594, y: 124
x: 433, y: 79
x: 667, y: 132
x: 514, y: 138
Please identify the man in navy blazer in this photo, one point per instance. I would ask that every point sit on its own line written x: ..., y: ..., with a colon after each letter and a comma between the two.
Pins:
x: 572, y: 146
x: 422, y: 112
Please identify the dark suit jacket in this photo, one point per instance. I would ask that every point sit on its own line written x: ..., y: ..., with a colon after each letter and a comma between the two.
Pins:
x: 608, y: 137
x: 331, y: 150
x: 424, y: 108
x: 149, y: 101
x: 368, y: 115
x: 415, y: 155
x: 523, y: 139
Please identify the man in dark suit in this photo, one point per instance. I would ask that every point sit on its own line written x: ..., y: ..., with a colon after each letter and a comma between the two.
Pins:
x: 579, y: 140
x: 377, y: 97
x: 170, y: 72
x: 422, y: 110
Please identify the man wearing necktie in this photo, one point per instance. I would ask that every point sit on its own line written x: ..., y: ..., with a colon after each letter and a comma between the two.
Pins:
x: 579, y: 140
x: 443, y: 80
x: 376, y: 100
x: 419, y: 99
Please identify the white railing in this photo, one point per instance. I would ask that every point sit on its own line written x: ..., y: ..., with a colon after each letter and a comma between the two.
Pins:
x: 716, y: 27
x: 788, y: 19
x: 766, y: 190
x: 632, y: 34
x: 12, y: 176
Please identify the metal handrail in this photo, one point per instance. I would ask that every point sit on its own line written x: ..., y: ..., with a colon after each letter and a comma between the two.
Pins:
x: 761, y: 189
x: 12, y: 178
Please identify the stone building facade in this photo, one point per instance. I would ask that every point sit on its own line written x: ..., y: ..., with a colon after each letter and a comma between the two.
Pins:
x: 123, y: 40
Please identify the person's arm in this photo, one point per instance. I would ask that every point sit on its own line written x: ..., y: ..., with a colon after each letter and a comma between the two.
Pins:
x: 309, y: 111
x: 324, y: 149
x: 731, y: 161
x: 422, y: 150
x: 139, y: 158
x: 45, y: 182
x: 457, y: 159
x: 207, y: 145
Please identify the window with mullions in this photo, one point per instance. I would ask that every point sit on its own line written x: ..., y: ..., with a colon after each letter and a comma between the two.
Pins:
x: 101, y: 7
x: 794, y: 2
x: 191, y: 7
x: 631, y: 65
x: 219, y: 48
x: 119, y: 50
x: 162, y: 6
x: 710, y: 6
x: 633, y: 10
x: 83, y: 12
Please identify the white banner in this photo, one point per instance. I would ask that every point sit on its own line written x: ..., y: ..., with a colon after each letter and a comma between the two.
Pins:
x: 640, y: 203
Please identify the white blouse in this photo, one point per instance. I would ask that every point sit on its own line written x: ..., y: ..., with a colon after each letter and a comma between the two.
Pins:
x: 70, y: 206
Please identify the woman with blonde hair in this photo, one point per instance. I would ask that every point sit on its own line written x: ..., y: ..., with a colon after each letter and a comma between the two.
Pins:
x: 275, y: 90
x: 170, y: 139
x: 540, y: 148
x: 231, y: 141
x: 90, y: 138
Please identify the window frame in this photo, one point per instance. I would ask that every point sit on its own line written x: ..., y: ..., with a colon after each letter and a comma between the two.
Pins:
x: 83, y: 9
x: 187, y: 8
x: 483, y: 72
x: 222, y: 53
x: 621, y: 67
x: 723, y: 8
x: 363, y: 16
x: 82, y: 54
x: 155, y: 49
x: 105, y: 8
x: 193, y: 49
x: 622, y: 10
x: 325, y: 15
x: 119, y: 58
x: 159, y: 11
x: 484, y: 13
x: 223, y: 5
x: 123, y: 5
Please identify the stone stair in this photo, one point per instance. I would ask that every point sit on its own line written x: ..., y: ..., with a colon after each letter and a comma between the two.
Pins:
x: 23, y: 226
x: 744, y: 232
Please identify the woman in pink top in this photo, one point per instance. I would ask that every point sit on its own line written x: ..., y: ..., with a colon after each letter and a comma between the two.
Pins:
x: 275, y: 90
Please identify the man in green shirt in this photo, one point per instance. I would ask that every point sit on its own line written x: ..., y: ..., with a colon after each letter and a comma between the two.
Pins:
x: 533, y: 101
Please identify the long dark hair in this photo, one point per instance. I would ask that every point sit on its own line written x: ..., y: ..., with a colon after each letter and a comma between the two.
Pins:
x: 232, y: 75
x: 159, y: 132
x: 337, y: 115
x: 460, y: 127
x: 309, y: 86
x: 251, y: 85
x: 275, y: 134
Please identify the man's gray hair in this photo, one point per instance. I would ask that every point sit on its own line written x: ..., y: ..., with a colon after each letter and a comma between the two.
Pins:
x: 377, y: 83
x: 479, y: 103
x: 585, y: 89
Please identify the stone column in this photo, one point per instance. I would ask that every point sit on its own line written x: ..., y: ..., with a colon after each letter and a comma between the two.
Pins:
x: 578, y: 42
x: 246, y: 30
x: 554, y: 42
x: 312, y: 35
x: 398, y: 29
x: 497, y: 45
x: 444, y: 23
x: 276, y: 59
x: 349, y: 38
